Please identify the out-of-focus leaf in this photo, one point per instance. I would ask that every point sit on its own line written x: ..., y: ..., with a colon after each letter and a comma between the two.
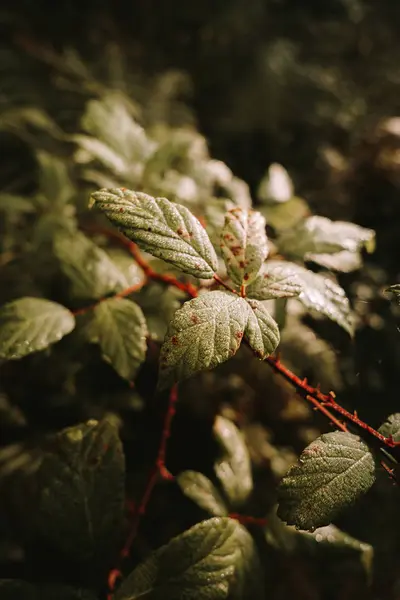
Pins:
x: 54, y: 180
x: 15, y: 589
x: 285, y: 215
x: 119, y: 327
x: 203, y: 492
x: 31, y: 324
x: 17, y: 205
x: 333, y: 472
x: 82, y: 490
x: 276, y: 185
x: 233, y: 468
x: 213, y: 560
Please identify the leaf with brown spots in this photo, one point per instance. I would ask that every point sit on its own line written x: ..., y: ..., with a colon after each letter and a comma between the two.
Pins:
x: 244, y: 245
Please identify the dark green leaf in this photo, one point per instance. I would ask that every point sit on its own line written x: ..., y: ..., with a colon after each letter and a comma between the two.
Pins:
x: 89, y: 270
x: 81, y: 483
x: 160, y: 227
x: 233, y: 468
x: 54, y: 181
x: 14, y: 589
x: 333, y: 472
x: 244, y: 245
x: 203, y: 492
x: 31, y: 324
x: 395, y: 290
x: 213, y: 560
x: 119, y: 327
x: 205, y: 332
x: 284, y: 215
x: 133, y: 274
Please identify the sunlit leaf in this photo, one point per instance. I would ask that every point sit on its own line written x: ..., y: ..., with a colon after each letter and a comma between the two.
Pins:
x: 203, y: 492
x: 277, y: 279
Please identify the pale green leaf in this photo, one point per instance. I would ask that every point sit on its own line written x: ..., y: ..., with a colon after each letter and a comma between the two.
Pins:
x: 119, y: 327
x: 134, y: 275
x: 205, y: 332
x: 321, y: 294
x: 203, y: 492
x: 82, y: 491
x: 344, y: 261
x: 333, y: 472
x: 54, y: 180
x: 89, y: 270
x: 276, y: 185
x: 262, y: 332
x: 244, y: 244
x: 319, y: 235
x: 233, y: 468
x: 15, y: 589
x: 162, y: 228
x: 391, y: 427
x: 94, y: 149
x: 285, y: 215
x: 277, y: 279
x: 159, y: 304
x: 214, y: 560
x: 31, y: 324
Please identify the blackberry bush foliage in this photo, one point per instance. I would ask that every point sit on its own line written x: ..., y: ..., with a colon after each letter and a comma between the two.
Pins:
x: 140, y: 280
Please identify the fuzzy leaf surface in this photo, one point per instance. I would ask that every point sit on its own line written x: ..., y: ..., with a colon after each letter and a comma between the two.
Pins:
x: 119, y: 327
x: 205, y: 332
x: 277, y: 279
x: 333, y: 472
x: 89, y: 270
x: 166, y: 230
x: 244, y: 244
x: 262, y: 331
x: 325, y: 296
x: 31, y: 324
x: 233, y: 468
x: 213, y: 560
x: 81, y: 483
x: 203, y: 492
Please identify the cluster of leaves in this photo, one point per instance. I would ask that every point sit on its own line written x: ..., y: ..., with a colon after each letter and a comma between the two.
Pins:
x: 84, y: 313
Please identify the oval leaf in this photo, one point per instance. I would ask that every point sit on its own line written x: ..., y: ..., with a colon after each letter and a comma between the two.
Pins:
x: 160, y: 227
x: 277, y: 279
x: 276, y: 186
x: 119, y: 327
x: 243, y: 244
x: 262, y: 331
x: 391, y: 427
x: 333, y: 471
x: 203, y: 492
x: 31, y: 324
x: 205, y: 332
x: 284, y: 215
x: 213, y: 560
x: 233, y: 469
x: 82, y: 491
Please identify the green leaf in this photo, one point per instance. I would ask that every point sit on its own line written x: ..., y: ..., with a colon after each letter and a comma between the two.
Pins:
x: 82, y: 491
x: 285, y: 215
x: 54, y: 180
x: 324, y: 296
x: 205, y: 332
x: 203, y: 492
x: 16, y: 205
x: 15, y: 589
x: 31, y: 324
x: 134, y: 275
x: 244, y: 244
x: 94, y: 149
x: 391, y: 427
x: 213, y: 560
x: 319, y: 235
x: 162, y: 228
x: 333, y: 472
x: 119, y: 327
x: 277, y: 279
x: 276, y: 185
x: 262, y: 332
x: 233, y: 468
x: 88, y: 268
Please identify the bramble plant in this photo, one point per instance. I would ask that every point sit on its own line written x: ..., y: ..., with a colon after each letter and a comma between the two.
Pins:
x: 108, y: 314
